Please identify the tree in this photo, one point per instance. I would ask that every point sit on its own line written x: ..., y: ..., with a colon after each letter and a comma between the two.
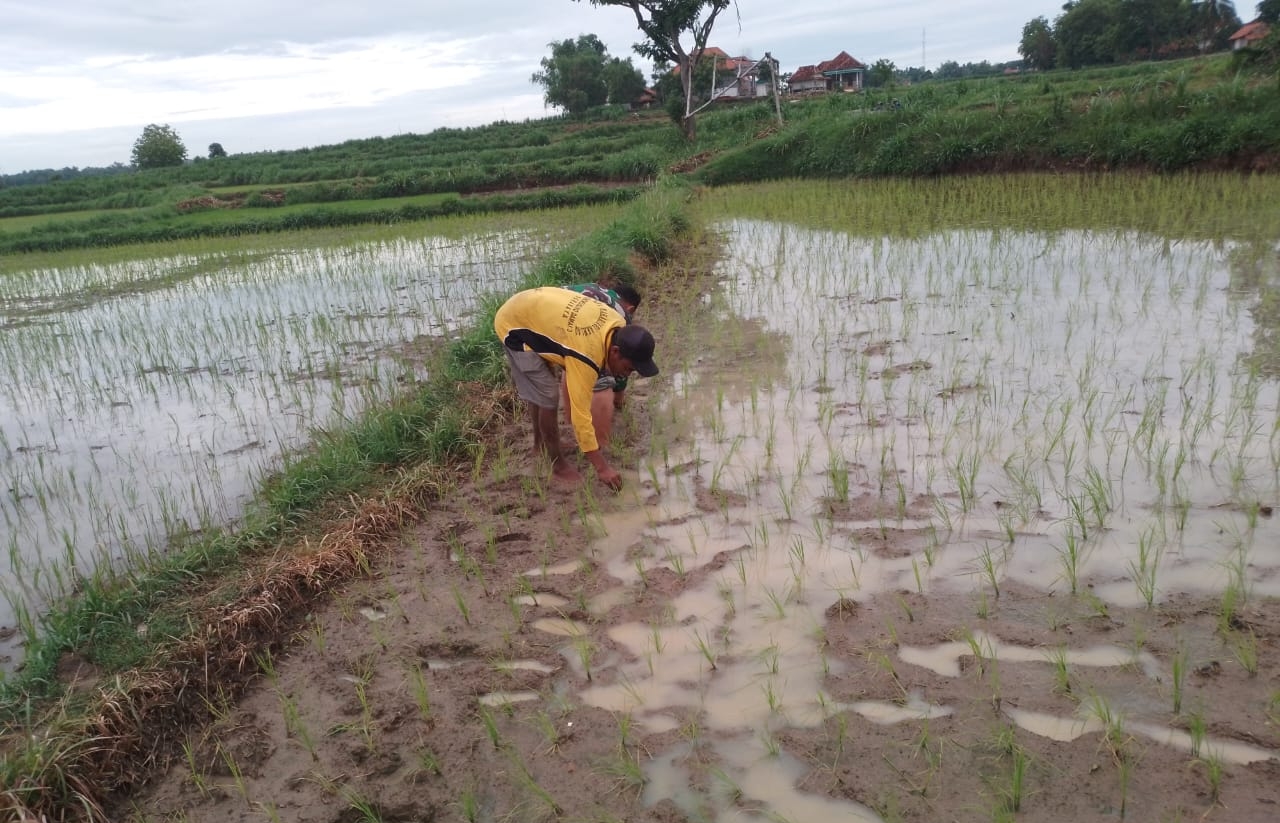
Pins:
x: 949, y: 70
x: 1038, y: 48
x: 573, y: 76
x: 664, y: 23
x: 881, y: 72
x: 1088, y: 33
x: 1214, y: 21
x: 1269, y: 11
x: 623, y: 81
x: 157, y: 147
x: 216, y: 150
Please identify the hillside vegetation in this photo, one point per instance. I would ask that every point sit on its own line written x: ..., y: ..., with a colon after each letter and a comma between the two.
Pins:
x: 1209, y: 112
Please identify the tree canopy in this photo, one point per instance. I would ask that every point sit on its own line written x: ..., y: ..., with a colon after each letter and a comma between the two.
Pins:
x: 573, y: 76
x: 623, y: 80
x: 1094, y: 32
x: 157, y: 147
x: 216, y: 150
x: 664, y: 23
x: 881, y: 72
x: 1037, y: 46
x: 580, y: 75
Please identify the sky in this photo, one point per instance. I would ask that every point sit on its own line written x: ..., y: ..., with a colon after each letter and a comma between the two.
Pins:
x: 79, y: 79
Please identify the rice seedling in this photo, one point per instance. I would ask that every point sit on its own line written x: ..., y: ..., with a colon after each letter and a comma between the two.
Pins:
x: 428, y: 762
x: 1015, y: 789
x: 1061, y: 674
x: 1143, y: 568
x: 1198, y: 730
x: 1244, y: 645
x: 1212, y: 763
x: 469, y: 805
x: 237, y: 777
x: 705, y: 647
x: 296, y: 726
x: 777, y: 601
x: 421, y: 693
x: 366, y: 811
x: 585, y: 650
x: 460, y: 600
x: 838, y: 475
x: 1178, y: 678
x: 194, y: 772
x: 771, y: 745
x: 490, y: 724
x: 990, y: 568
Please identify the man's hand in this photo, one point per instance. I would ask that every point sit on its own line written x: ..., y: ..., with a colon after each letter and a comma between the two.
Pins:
x: 604, y: 471
x: 610, y: 478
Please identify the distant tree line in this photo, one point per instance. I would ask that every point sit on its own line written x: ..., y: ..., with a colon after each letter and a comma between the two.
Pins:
x: 38, y: 177
x: 1097, y: 32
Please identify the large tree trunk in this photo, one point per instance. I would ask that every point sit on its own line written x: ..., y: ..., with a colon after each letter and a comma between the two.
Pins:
x: 689, y: 123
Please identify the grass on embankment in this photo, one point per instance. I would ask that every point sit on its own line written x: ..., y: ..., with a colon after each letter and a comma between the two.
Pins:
x: 315, y: 523
x: 159, y: 225
x: 1195, y: 113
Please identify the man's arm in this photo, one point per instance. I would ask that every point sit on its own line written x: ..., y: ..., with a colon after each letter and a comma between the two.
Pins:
x: 580, y: 381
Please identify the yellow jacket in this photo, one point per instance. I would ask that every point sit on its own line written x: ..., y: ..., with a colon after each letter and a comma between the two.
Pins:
x: 568, y: 330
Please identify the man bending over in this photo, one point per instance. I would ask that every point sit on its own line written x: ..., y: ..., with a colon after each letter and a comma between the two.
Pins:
x: 549, y: 329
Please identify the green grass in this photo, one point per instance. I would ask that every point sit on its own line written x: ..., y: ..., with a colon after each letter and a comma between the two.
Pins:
x: 1160, y: 116
x: 16, y: 225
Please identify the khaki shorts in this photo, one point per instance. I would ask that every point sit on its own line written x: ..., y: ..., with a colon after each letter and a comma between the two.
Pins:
x: 536, y: 380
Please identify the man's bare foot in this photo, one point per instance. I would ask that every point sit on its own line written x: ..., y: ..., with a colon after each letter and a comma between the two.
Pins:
x: 562, y: 474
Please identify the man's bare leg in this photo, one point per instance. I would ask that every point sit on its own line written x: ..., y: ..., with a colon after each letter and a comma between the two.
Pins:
x: 546, y: 437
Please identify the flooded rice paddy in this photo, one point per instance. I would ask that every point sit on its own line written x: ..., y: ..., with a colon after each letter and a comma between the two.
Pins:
x: 1090, y: 415
x: 143, y: 400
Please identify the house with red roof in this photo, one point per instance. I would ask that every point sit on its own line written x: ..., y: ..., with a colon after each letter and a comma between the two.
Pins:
x: 806, y: 79
x: 840, y: 73
x: 1249, y: 35
x: 735, y: 77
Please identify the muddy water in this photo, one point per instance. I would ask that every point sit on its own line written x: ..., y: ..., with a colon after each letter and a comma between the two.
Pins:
x: 1074, y: 410
x: 144, y: 399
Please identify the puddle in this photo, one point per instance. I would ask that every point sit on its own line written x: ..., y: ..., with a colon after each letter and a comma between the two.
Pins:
x: 1066, y: 729
x: 559, y: 569
x: 945, y: 657
x: 609, y: 600
x: 887, y: 713
x: 560, y: 626
x: 524, y: 665
x: 540, y: 599
x: 506, y: 698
